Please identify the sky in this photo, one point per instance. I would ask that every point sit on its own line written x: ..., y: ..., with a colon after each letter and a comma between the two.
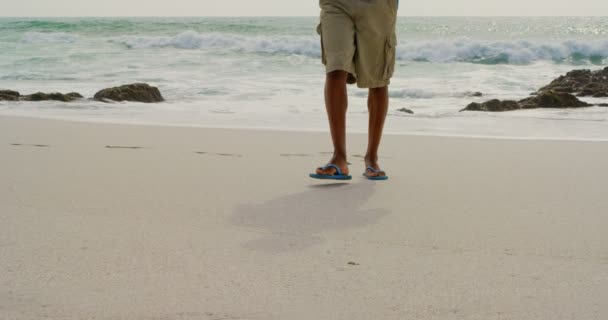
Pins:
x: 295, y: 8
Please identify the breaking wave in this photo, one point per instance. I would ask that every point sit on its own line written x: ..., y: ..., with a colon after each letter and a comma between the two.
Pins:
x: 450, y: 50
x: 504, y: 52
x: 307, y: 46
x: 455, y: 50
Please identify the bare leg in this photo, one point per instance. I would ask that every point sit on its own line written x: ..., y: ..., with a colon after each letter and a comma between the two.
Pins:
x: 377, y: 105
x: 336, y: 103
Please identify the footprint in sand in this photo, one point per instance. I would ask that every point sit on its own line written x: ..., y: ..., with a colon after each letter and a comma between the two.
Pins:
x: 221, y: 154
x: 295, y: 155
x: 123, y: 147
x: 30, y: 145
x: 229, y: 155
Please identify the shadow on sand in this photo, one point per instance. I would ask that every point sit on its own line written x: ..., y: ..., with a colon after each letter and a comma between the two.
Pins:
x: 297, y: 221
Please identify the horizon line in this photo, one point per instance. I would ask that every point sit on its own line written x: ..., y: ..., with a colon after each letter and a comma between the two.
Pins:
x: 305, y: 16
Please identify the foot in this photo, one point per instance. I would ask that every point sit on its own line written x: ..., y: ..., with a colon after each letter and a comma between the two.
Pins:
x: 377, y: 172
x: 330, y: 171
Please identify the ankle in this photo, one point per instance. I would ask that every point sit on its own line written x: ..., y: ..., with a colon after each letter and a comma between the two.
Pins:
x: 371, y: 158
x: 339, y: 158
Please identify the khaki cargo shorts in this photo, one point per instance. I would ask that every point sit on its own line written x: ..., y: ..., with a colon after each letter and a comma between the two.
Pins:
x: 358, y: 36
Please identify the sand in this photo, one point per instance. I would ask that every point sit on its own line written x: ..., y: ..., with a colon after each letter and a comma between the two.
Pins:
x: 103, y: 221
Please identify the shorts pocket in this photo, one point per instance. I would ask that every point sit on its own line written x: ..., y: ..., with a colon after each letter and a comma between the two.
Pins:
x: 320, y: 32
x: 389, y: 57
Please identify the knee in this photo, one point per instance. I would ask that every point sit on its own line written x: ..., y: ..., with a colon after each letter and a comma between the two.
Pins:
x: 338, y: 75
x: 379, y: 90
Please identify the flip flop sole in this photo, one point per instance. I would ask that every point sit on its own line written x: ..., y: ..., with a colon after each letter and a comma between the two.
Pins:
x: 380, y: 178
x: 330, y: 177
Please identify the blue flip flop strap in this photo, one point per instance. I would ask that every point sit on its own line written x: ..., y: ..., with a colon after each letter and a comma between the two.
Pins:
x: 338, y: 171
x: 374, y: 170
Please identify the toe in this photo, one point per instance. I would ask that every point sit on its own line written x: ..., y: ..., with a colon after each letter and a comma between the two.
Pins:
x: 377, y: 173
x: 328, y: 171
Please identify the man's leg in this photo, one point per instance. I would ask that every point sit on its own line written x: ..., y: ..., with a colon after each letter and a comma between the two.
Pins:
x: 377, y: 105
x: 374, y: 65
x: 338, y: 49
x: 336, y: 103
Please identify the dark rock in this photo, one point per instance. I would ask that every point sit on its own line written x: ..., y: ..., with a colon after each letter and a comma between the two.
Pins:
x: 578, y: 73
x: 603, y: 105
x: 74, y: 95
x: 552, y: 99
x: 352, y: 263
x: 138, y: 92
x: 473, y: 94
x: 406, y: 110
x: 493, y: 105
x: 56, y: 96
x: 583, y: 83
x: 9, y: 95
x: 546, y: 99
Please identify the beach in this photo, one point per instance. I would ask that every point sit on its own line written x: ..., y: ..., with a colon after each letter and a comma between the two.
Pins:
x: 266, y: 72
x: 111, y: 221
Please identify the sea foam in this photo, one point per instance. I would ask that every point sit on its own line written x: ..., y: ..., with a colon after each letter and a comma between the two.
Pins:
x: 306, y: 46
x: 445, y: 50
x: 504, y: 52
x: 449, y: 50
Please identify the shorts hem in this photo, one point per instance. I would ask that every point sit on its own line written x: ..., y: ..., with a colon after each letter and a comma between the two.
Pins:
x: 372, y: 85
x: 329, y: 69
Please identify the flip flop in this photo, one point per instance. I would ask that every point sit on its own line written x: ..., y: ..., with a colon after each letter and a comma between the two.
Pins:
x: 384, y: 177
x: 338, y: 175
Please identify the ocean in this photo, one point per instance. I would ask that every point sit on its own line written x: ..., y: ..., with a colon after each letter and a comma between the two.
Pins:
x: 265, y: 72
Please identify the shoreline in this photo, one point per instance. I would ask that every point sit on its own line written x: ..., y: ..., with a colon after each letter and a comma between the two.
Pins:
x: 299, y: 130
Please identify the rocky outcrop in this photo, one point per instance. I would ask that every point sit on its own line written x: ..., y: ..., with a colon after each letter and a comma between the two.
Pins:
x: 545, y: 99
x: 56, y: 96
x: 9, y: 95
x: 406, y: 110
x: 138, y: 92
x: 552, y: 99
x: 560, y: 93
x: 583, y: 83
x: 494, y: 105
